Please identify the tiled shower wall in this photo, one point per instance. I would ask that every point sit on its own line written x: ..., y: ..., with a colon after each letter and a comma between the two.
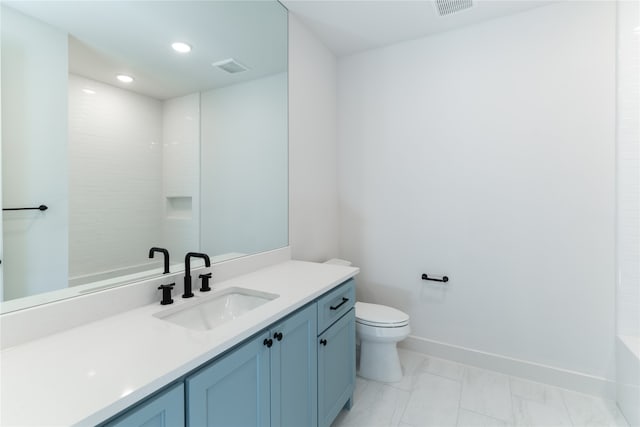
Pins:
x: 181, y: 174
x: 628, y: 153
x: 628, y: 211
x: 115, y: 176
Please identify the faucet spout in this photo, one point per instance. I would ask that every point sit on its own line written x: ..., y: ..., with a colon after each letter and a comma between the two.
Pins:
x: 187, y: 271
x: 166, y: 257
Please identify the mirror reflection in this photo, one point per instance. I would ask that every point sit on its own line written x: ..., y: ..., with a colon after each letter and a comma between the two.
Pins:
x: 139, y: 125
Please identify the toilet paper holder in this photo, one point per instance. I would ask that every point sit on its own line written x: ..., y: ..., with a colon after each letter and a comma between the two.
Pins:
x: 443, y: 279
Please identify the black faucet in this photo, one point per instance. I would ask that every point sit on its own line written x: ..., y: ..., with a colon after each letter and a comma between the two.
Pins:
x: 166, y: 257
x: 187, y: 271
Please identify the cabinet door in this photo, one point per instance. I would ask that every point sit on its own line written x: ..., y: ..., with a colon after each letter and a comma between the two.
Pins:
x: 294, y: 388
x: 336, y: 368
x: 163, y: 410
x: 232, y: 391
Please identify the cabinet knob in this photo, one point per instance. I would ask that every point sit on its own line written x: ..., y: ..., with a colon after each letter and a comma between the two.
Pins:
x: 268, y: 342
x: 323, y: 342
x: 278, y: 336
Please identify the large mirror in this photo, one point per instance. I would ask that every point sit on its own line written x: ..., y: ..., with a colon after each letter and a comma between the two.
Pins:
x: 131, y: 141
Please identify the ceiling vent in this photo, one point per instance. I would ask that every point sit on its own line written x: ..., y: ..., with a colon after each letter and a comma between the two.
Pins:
x: 449, y: 7
x: 230, y: 66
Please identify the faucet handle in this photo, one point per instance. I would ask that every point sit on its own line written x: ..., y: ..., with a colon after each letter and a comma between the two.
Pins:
x: 166, y: 293
x: 205, y: 282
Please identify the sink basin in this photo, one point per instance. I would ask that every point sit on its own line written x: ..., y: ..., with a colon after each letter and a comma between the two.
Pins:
x: 211, y: 311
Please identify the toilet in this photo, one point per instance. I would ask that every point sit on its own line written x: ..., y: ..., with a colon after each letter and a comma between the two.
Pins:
x: 378, y: 329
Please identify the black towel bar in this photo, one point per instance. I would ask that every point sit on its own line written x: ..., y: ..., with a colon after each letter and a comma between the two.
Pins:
x: 444, y: 279
x: 39, y: 208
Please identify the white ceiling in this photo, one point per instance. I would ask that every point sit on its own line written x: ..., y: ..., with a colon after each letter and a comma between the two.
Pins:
x: 134, y: 37
x: 348, y: 26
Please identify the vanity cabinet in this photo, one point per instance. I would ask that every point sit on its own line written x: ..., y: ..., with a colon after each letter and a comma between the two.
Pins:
x: 336, y: 368
x: 269, y: 380
x: 336, y: 352
x: 300, y: 372
x: 163, y: 410
x: 233, y: 390
x: 294, y: 378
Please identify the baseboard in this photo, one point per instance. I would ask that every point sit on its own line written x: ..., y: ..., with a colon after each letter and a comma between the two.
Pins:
x: 563, y: 378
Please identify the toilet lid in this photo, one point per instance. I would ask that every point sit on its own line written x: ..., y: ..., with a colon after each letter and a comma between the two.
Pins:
x: 380, y: 315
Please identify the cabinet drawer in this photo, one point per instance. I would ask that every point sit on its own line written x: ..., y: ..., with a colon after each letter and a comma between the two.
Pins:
x: 333, y: 305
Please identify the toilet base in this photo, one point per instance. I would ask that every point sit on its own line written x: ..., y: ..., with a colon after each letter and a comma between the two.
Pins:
x: 379, y: 361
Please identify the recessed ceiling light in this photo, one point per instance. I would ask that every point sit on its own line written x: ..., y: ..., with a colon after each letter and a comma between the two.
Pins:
x: 89, y: 91
x: 124, y: 78
x: 181, y: 47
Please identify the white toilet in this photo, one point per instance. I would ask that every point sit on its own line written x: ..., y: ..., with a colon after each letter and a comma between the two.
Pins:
x: 378, y: 329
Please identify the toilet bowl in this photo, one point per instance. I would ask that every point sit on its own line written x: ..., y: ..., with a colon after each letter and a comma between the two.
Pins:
x: 379, y: 328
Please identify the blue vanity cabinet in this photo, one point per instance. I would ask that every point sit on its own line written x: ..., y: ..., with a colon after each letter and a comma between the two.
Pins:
x: 269, y: 380
x: 336, y: 352
x: 294, y: 380
x: 163, y: 410
x: 300, y: 372
x: 336, y: 368
x: 233, y: 390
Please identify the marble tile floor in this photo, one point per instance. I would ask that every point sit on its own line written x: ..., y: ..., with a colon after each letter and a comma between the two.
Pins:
x: 440, y: 393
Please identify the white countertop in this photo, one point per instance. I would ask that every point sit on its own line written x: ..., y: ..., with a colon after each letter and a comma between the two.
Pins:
x: 87, y: 374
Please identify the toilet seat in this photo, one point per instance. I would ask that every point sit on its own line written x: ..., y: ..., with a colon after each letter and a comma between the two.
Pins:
x: 380, y: 316
x: 382, y: 325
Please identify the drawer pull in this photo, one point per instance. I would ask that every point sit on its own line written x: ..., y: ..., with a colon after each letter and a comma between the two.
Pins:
x: 268, y: 342
x: 444, y: 279
x: 323, y: 342
x: 278, y: 336
x: 344, y: 300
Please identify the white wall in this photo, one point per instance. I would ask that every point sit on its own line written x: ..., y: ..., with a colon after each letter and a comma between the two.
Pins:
x: 243, y: 161
x: 115, y: 177
x: 313, y: 218
x: 181, y: 175
x: 34, y: 146
x: 487, y: 154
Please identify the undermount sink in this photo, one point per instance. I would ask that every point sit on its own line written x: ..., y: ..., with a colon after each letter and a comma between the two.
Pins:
x: 208, y: 312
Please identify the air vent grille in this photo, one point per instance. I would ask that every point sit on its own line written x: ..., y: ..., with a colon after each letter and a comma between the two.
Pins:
x: 448, y: 7
x: 230, y: 66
